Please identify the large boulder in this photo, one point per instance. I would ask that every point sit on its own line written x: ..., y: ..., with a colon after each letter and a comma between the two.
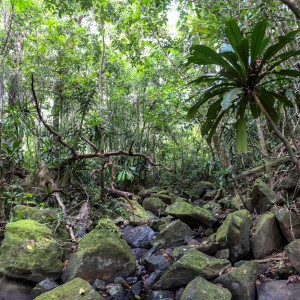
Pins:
x: 263, y: 197
x: 155, y: 205
x: 278, y: 290
x: 267, y: 237
x: 293, y: 253
x: 289, y: 222
x: 190, y: 214
x: 77, y: 289
x: 101, y: 254
x: 234, y: 234
x: 29, y: 251
x: 138, y: 237
x: 241, y: 281
x: 290, y: 182
x: 47, y: 216
x: 189, y: 266
x: 201, y: 289
x: 173, y: 233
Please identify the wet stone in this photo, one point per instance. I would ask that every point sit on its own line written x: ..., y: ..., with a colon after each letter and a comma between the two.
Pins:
x: 157, y: 262
x: 138, y: 237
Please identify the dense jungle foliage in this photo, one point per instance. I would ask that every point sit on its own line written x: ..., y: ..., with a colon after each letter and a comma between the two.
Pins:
x: 80, y: 79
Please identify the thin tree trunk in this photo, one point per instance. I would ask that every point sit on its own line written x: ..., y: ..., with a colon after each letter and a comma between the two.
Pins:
x: 101, y: 115
x: 223, y: 158
x: 264, y: 151
x: 278, y: 133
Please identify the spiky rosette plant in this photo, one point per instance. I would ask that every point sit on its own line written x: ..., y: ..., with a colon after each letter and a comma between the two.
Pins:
x: 245, y: 81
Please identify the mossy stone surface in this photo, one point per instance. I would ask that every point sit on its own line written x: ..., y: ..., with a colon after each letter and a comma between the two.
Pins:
x: 189, y: 266
x: 234, y: 234
x: 108, y: 224
x: 174, y: 232
x: 190, y: 214
x: 267, y: 237
x: 101, y: 254
x: 77, y: 289
x: 201, y: 289
x: 29, y: 251
x: 241, y: 281
x: 155, y: 205
x: 138, y: 216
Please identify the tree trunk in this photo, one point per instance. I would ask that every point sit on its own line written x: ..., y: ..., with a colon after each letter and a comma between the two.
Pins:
x: 294, y: 6
x: 278, y: 133
x: 264, y: 151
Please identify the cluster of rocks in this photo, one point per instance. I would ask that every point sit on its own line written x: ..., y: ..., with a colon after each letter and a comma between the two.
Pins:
x: 170, y: 248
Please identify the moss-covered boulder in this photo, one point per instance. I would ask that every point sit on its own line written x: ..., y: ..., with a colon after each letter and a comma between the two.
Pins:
x: 29, y: 251
x: 145, y: 193
x: 201, y: 289
x: 293, y: 253
x: 155, y: 205
x: 167, y: 199
x: 189, y: 266
x: 190, y: 214
x: 241, y: 281
x: 173, y: 233
x: 160, y: 224
x: 101, y: 254
x: 289, y: 222
x: 77, y: 289
x: 47, y: 216
x: 267, y: 237
x: 263, y: 197
x: 137, y: 216
x: 234, y: 234
x: 108, y: 224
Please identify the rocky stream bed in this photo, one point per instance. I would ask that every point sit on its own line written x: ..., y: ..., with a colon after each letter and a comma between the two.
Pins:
x: 175, y: 246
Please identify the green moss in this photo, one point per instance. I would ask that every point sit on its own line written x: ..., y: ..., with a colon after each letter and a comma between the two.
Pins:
x: 108, y: 224
x: 75, y: 290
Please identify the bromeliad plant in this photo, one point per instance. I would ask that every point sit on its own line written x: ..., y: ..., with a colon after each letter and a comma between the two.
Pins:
x: 246, y: 79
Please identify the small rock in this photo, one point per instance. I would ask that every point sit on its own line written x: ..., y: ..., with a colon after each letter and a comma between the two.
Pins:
x: 209, y: 248
x: 161, y: 294
x: 263, y: 197
x: 42, y: 287
x: 293, y: 253
x: 157, y: 262
x: 150, y: 281
x: 173, y: 233
x: 11, y: 289
x: 201, y: 289
x: 136, y: 288
x: 99, y: 285
x: 138, y: 237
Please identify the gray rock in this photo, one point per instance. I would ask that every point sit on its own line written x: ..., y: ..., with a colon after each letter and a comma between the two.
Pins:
x: 155, y: 205
x: 42, y: 287
x: 188, y: 267
x: 99, y: 285
x: 293, y: 253
x: 173, y: 233
x: 290, y: 182
x: 263, y: 197
x: 234, y: 234
x: 190, y: 214
x: 267, y: 237
x: 161, y: 294
x: 157, y: 262
x: 150, y: 281
x: 139, y: 253
x: 201, y: 289
x: 289, y: 223
x: 145, y: 193
x: 77, y: 289
x: 278, y: 290
x: 209, y: 248
x: 136, y: 288
x: 138, y: 237
x: 101, y: 255
x: 11, y: 289
x: 118, y: 292
x: 241, y: 281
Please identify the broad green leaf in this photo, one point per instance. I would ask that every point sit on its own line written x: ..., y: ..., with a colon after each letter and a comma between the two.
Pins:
x: 233, y: 33
x: 286, y: 72
x: 241, y: 135
x: 268, y: 103
x: 283, y: 41
x: 214, y: 126
x: 230, y: 97
x: 281, y: 98
x: 257, y: 39
x: 243, y: 51
x: 255, y: 111
x: 204, y: 55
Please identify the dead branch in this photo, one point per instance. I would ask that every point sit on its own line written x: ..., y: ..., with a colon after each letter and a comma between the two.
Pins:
x: 59, y: 190
x: 11, y: 173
